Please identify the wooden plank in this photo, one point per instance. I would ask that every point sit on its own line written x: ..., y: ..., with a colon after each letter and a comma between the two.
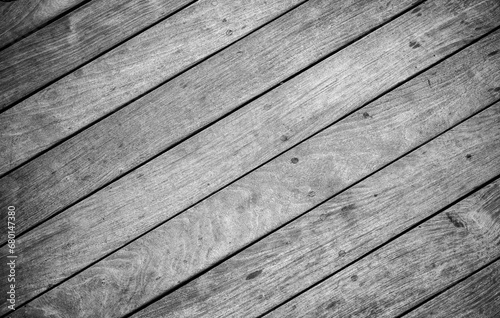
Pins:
x: 125, y: 73
x: 410, y: 269
x: 281, y: 190
x: 119, y: 143
x: 72, y: 40
x: 79, y: 236
x: 477, y: 296
x: 20, y: 18
x: 336, y: 233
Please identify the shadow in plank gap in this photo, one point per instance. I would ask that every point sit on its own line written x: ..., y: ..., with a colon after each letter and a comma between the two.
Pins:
x: 20, y: 18
x: 289, y: 185
x: 477, y: 296
x: 415, y: 266
x: 120, y: 142
x: 72, y: 40
x: 125, y: 73
x: 177, y: 179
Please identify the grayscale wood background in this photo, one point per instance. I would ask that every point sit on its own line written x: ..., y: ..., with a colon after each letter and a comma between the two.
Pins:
x: 251, y: 158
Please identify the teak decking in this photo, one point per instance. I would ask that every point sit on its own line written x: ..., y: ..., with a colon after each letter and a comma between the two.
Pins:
x: 232, y: 158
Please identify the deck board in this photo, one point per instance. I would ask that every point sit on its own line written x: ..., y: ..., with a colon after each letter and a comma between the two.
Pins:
x: 72, y: 40
x: 411, y: 268
x: 20, y: 18
x: 127, y: 72
x: 413, y: 188
x: 250, y: 158
x: 477, y: 296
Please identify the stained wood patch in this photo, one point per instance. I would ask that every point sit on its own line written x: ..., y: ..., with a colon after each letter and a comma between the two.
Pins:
x: 284, y: 188
x: 126, y: 72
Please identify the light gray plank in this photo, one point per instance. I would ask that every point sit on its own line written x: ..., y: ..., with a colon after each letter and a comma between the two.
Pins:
x: 139, y: 131
x: 128, y: 71
x: 281, y: 190
x: 20, y: 18
x: 410, y: 269
x: 478, y: 296
x: 72, y: 40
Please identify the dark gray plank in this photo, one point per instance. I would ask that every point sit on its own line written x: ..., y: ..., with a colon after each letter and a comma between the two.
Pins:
x: 139, y: 131
x: 410, y: 269
x: 281, y: 190
x: 20, y: 18
x: 72, y: 40
x: 478, y: 296
x: 126, y: 72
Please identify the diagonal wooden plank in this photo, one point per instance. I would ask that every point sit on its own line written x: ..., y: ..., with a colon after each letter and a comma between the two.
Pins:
x: 72, y: 40
x: 19, y: 18
x: 161, y: 188
x: 344, y: 228
x: 118, y: 143
x: 126, y: 72
x: 477, y: 296
x: 411, y: 268
x: 279, y: 191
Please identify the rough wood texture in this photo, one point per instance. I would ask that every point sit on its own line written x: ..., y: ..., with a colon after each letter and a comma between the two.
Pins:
x: 128, y: 71
x: 281, y: 190
x: 161, y: 188
x: 336, y: 233
x: 72, y: 40
x: 22, y: 17
x: 478, y: 296
x: 410, y: 269
x: 120, y: 142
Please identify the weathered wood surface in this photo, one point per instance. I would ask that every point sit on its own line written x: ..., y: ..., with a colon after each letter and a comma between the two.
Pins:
x: 410, y: 269
x: 478, y: 296
x: 72, y: 40
x: 160, y: 189
x: 341, y: 230
x: 19, y: 18
x: 128, y: 71
x: 119, y: 143
x: 281, y: 190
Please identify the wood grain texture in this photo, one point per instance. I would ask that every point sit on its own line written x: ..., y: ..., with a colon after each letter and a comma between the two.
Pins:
x: 281, y: 190
x: 478, y: 296
x: 172, y: 182
x: 126, y: 72
x: 120, y: 142
x: 339, y: 231
x: 72, y: 40
x: 22, y: 17
x: 410, y: 269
